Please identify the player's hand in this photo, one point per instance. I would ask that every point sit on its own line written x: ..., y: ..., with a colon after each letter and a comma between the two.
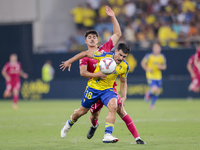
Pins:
x: 64, y: 65
x: 123, y: 99
x: 149, y: 70
x: 25, y: 76
x: 109, y: 11
x: 100, y: 75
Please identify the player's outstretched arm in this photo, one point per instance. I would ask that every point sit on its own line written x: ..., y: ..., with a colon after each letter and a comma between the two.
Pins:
x: 85, y: 73
x: 116, y: 28
x: 23, y: 74
x: 123, y: 89
x: 67, y: 63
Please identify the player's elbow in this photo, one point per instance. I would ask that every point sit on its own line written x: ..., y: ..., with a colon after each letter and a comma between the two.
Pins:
x: 118, y: 34
x: 82, y: 74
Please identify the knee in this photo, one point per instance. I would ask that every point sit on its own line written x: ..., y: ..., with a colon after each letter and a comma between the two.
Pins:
x: 83, y: 112
x: 113, y: 108
x: 155, y: 90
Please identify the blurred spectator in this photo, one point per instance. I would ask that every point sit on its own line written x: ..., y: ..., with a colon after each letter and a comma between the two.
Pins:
x: 102, y: 12
x: 156, y: 6
x: 176, y: 27
x: 163, y: 4
x: 185, y: 28
x: 129, y: 34
x: 163, y: 33
x: 173, y: 38
x: 94, y: 4
x: 192, y: 29
x: 117, y: 9
x: 129, y: 10
x: 197, y: 4
x: 106, y: 35
x: 77, y: 13
x: 174, y: 23
x: 150, y: 19
x: 47, y: 71
x: 117, y: 2
x: 89, y: 16
x: 188, y: 5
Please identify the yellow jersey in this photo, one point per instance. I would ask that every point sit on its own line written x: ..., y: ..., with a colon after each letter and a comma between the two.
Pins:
x: 102, y: 84
x: 152, y: 62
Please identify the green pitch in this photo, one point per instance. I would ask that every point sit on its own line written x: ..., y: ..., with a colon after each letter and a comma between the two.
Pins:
x: 173, y: 125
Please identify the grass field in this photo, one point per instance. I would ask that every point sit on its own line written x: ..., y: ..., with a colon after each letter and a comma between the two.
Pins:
x: 173, y: 125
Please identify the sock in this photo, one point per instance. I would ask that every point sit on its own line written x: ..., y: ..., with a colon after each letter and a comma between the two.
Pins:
x: 94, y: 122
x: 130, y: 125
x: 70, y: 121
x: 15, y: 99
x: 153, y: 99
x: 137, y: 138
x: 109, y: 128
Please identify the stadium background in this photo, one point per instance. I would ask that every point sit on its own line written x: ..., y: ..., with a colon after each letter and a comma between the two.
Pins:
x: 36, y: 31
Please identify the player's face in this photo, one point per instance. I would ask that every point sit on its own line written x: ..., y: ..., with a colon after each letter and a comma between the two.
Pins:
x: 91, y: 40
x: 13, y: 58
x: 119, y: 56
x: 156, y: 49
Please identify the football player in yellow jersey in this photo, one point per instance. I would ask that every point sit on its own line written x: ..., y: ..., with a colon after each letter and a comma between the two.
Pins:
x: 153, y: 63
x: 102, y: 89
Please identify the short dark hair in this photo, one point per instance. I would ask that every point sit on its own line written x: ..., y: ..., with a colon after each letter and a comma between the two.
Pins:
x: 124, y: 47
x: 91, y: 32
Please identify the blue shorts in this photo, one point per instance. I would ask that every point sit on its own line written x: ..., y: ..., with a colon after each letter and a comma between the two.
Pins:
x: 91, y: 96
x: 152, y: 83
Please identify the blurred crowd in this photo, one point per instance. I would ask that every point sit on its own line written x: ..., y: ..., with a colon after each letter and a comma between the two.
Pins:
x: 174, y: 23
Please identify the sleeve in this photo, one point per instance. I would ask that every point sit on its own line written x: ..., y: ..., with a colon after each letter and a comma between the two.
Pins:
x: 5, y: 68
x: 108, y: 45
x: 146, y: 58
x: 83, y: 61
x: 126, y: 70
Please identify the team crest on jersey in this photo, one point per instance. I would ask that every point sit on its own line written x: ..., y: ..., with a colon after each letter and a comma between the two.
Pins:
x: 120, y: 68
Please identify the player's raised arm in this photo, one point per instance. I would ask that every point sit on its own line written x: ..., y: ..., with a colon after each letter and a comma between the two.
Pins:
x: 67, y: 63
x: 116, y: 28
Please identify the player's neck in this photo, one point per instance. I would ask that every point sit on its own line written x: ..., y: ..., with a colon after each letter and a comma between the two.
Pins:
x: 13, y: 63
x: 92, y: 48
